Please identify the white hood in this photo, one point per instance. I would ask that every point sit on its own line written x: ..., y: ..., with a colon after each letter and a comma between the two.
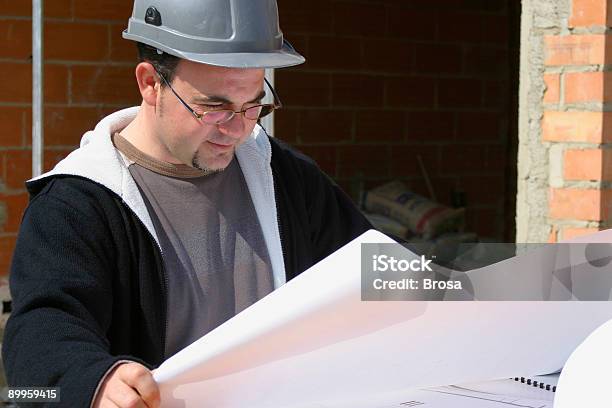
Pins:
x: 98, y: 160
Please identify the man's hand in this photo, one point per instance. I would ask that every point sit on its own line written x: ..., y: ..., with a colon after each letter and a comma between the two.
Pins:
x: 129, y: 385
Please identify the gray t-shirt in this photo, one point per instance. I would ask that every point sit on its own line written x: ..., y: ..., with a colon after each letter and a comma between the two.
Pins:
x: 215, y: 256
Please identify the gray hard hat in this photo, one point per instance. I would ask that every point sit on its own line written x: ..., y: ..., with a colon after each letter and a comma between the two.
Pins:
x: 227, y: 33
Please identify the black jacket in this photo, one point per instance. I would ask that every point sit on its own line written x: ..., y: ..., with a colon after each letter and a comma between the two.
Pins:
x: 88, y: 282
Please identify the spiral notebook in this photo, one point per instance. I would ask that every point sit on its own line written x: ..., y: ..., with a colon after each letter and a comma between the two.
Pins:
x: 524, y: 392
x: 543, y: 382
x: 541, y: 387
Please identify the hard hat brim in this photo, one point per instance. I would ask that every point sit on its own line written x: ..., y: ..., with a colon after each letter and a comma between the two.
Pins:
x: 278, y: 59
x: 285, y: 57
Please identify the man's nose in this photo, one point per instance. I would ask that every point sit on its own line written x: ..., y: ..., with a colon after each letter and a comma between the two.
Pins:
x: 234, y: 127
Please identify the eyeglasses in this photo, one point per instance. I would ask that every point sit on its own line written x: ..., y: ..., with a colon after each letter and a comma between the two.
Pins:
x: 219, y: 116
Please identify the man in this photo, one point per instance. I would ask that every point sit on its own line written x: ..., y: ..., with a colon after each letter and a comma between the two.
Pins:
x: 171, y: 217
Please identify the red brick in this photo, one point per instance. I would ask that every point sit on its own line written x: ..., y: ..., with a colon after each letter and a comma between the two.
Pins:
x: 65, y: 125
x: 577, y: 204
x: 333, y: 53
x: 325, y: 126
x: 15, y: 8
x: 352, y: 187
x: 589, y: 127
x: 351, y: 18
x: 496, y: 29
x: 496, y: 159
x: 371, y: 184
x: 381, y: 126
x: 411, y: 24
x: 52, y: 8
x: 15, y: 204
x: 106, y: 110
x: 27, y: 140
x: 551, y: 94
x: 359, y: 161
x: 104, y: 10
x: 485, y: 126
x: 438, y: 58
x: 587, y: 164
x: 468, y: 159
x: 286, y: 123
x: 121, y: 49
x: 496, y: 94
x: 52, y: 157
x: 109, y: 84
x: 12, y: 126
x: 303, y: 89
x: 486, y: 222
x: 300, y: 43
x: 18, y: 168
x: 16, y: 39
x: 56, y: 83
x: 456, y: 5
x: 7, y: 246
x: 459, y: 93
x: 312, y: 17
x: 325, y: 156
x: 568, y: 233
x: 460, y: 27
x: 431, y: 126
x: 553, y: 235
x: 483, y: 189
x: 486, y: 61
x: 19, y: 87
x: 410, y: 92
x: 404, y: 161
x: 588, y: 87
x: 589, y: 13
x: 357, y: 90
x: 388, y: 55
x: 582, y: 164
x: 577, y: 49
x: 606, y: 204
x: 76, y: 41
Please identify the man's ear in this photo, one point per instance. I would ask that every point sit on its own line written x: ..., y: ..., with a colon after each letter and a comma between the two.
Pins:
x: 148, y: 82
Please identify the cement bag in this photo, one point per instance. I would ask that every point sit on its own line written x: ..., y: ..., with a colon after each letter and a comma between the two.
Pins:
x: 388, y: 225
x: 418, y: 213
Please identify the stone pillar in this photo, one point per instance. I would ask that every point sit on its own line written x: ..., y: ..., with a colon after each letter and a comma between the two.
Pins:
x: 564, y: 172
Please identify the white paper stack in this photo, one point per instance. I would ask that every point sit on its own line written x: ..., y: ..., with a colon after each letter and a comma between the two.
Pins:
x: 314, y: 343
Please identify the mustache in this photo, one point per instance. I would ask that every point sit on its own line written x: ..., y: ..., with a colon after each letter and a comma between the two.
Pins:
x: 223, y: 141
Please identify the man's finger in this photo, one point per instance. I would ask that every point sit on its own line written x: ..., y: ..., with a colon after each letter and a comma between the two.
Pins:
x: 106, y: 403
x: 125, y: 396
x: 141, y: 379
x: 148, y: 390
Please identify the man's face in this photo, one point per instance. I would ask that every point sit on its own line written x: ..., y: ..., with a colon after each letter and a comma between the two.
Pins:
x: 204, y: 87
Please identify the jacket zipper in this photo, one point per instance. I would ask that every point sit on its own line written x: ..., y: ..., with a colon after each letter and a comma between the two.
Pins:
x: 278, y: 221
x: 165, y: 296
x: 164, y: 280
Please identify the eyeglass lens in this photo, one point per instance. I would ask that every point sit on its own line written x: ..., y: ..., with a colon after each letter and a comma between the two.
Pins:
x: 224, y: 115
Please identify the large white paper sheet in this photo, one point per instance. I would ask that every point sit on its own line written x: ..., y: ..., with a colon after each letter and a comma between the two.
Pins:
x: 447, y: 397
x: 313, y: 341
x: 585, y: 379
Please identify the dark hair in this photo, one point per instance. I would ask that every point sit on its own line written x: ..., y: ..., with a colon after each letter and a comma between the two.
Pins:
x: 164, y: 63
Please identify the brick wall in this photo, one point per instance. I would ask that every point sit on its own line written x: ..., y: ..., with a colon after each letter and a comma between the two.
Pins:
x: 385, y: 81
x: 388, y: 80
x: 576, y: 123
x: 88, y: 73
